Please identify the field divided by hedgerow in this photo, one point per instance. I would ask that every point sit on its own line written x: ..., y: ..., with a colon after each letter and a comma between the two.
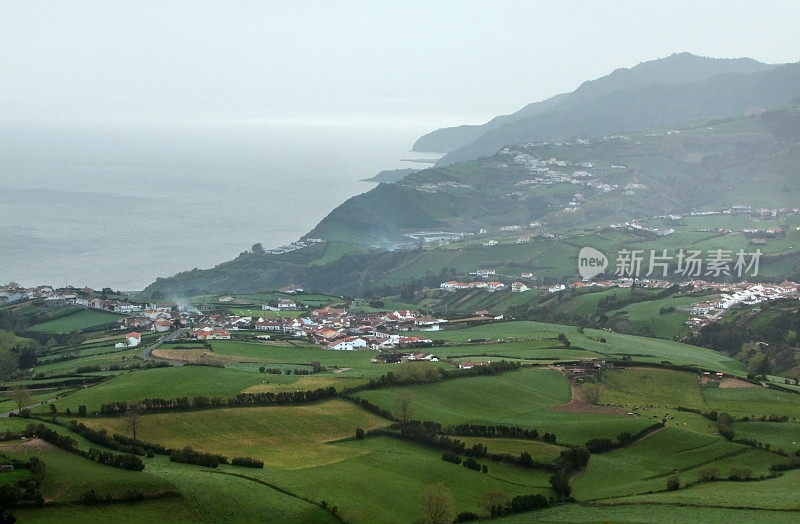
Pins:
x: 517, y: 398
x: 282, y: 436
x: 646, y: 465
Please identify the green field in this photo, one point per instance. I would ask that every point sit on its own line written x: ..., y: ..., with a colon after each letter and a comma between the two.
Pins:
x: 357, y: 363
x: 638, y: 387
x: 753, y: 402
x: 167, y: 510
x: 80, y: 319
x: 782, y: 492
x: 645, y: 318
x: 517, y: 398
x: 540, y: 451
x: 285, y: 437
x: 643, y: 349
x: 646, y: 465
x: 640, y: 513
x: 780, y: 435
x: 171, y: 382
x: 68, y: 476
x: 389, y: 469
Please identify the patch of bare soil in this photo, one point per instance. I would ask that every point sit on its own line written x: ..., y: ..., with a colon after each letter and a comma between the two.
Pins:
x: 22, y: 445
x: 196, y: 355
x: 576, y: 405
x: 733, y: 383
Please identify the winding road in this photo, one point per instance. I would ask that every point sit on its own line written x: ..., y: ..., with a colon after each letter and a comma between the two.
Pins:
x: 146, y: 355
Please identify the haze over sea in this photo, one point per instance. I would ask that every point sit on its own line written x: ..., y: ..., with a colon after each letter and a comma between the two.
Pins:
x: 118, y: 204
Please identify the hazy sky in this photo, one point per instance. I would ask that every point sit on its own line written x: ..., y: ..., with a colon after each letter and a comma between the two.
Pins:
x: 287, y: 59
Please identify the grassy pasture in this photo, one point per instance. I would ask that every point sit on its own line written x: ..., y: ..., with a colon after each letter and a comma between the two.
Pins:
x: 616, y: 345
x: 357, y: 362
x: 646, y: 317
x: 781, y: 435
x: 387, y: 469
x: 103, y: 357
x: 538, y: 450
x: 518, y: 398
x: 166, y: 510
x: 634, y: 387
x: 646, y: 465
x: 534, y: 350
x: 782, y: 492
x: 285, y: 437
x: 80, y: 319
x: 172, y: 382
x: 641, y: 513
x: 757, y: 401
x: 218, y: 497
x: 68, y: 476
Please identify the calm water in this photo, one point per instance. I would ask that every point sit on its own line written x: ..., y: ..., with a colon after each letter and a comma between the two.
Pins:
x: 121, y: 204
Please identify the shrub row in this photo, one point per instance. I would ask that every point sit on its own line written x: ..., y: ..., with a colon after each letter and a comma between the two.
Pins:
x: 189, y: 455
x: 601, y: 445
x: 125, y: 461
x: 203, y: 402
x: 476, y: 430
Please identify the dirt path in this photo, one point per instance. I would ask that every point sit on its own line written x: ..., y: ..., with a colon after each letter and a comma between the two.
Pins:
x: 577, y: 405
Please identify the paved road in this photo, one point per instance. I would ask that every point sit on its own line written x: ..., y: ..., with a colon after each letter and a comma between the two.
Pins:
x: 6, y: 414
x: 146, y: 354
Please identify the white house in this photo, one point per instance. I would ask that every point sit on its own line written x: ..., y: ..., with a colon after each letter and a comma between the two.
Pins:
x: 286, y: 303
x: 518, y: 287
x: 348, y: 344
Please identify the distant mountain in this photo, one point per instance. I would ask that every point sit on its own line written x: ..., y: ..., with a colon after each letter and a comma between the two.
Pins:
x: 675, y: 69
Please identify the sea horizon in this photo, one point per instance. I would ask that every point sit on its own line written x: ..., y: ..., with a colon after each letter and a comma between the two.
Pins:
x: 83, y: 198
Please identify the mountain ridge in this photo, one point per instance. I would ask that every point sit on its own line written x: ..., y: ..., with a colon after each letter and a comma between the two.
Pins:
x: 676, y: 68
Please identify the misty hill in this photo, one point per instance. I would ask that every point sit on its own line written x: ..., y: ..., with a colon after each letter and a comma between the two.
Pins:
x: 552, y: 118
x: 391, y: 175
x: 581, y: 185
x: 745, y: 160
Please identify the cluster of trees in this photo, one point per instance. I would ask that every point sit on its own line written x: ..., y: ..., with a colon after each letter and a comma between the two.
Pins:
x: 189, y: 455
x: 277, y: 371
x: 16, y: 354
x: 478, y: 430
x: 203, y: 402
x: 247, y: 462
x: 25, y: 491
x: 498, y: 504
x: 470, y: 462
x: 123, y: 461
x: 600, y: 445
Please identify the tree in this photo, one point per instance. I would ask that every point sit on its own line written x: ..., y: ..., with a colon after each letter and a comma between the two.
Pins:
x: 591, y: 393
x: 26, y: 358
x: 404, y: 407
x: 436, y: 505
x: 494, y: 502
x: 560, y: 484
x: 21, y: 397
x: 257, y: 248
x: 8, y: 364
x: 673, y: 483
x: 132, y: 413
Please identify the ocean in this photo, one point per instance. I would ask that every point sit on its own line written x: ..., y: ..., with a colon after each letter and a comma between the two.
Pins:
x: 119, y: 204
